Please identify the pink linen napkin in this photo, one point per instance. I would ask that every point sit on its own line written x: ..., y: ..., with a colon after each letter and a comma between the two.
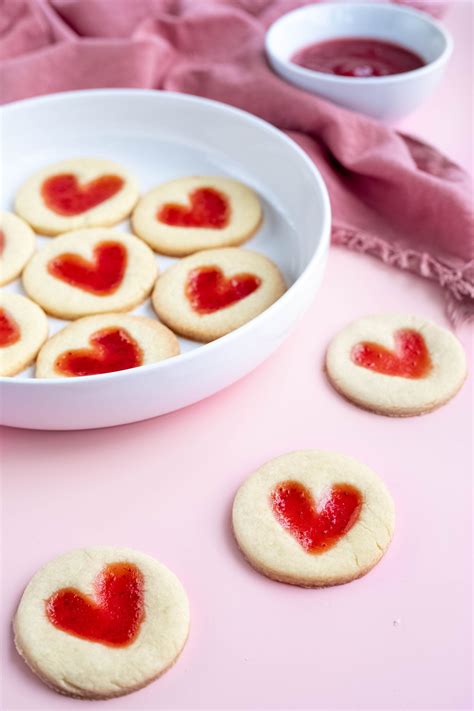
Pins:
x: 392, y: 196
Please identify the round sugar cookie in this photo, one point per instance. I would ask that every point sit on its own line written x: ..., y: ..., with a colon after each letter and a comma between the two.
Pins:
x: 211, y: 293
x: 187, y: 215
x: 90, y: 272
x: 104, y: 344
x: 101, y: 622
x: 313, y: 518
x: 395, y: 364
x: 17, y: 244
x: 77, y: 193
x: 23, y: 330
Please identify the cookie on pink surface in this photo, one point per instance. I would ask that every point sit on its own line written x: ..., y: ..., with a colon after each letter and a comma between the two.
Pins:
x: 101, y: 622
x: 395, y: 364
x: 313, y: 518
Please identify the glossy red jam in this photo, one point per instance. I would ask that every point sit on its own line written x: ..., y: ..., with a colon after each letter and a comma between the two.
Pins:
x: 101, y: 276
x: 112, y: 616
x: 9, y: 329
x: 208, y: 290
x: 359, y: 57
x: 411, y: 358
x: 112, y: 349
x: 316, y: 527
x: 64, y: 195
x: 208, y: 208
x: 2, y: 241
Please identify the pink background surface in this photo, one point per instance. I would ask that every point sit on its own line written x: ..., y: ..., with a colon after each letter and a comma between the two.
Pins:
x: 398, y: 638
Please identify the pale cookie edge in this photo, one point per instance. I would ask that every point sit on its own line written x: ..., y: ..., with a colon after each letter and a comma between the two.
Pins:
x: 89, y: 696
x: 393, y: 411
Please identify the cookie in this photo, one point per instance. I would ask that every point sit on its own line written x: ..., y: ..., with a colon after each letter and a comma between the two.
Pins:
x: 211, y: 293
x: 396, y: 365
x: 90, y: 272
x: 105, y: 344
x: 190, y: 214
x: 77, y: 193
x: 101, y: 622
x: 23, y: 330
x: 17, y: 244
x: 313, y: 518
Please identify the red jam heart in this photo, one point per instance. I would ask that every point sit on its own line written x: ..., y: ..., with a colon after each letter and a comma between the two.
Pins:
x: 2, y: 241
x: 316, y: 528
x: 411, y: 358
x: 113, y: 617
x: 101, y: 276
x: 208, y: 290
x: 9, y: 329
x: 209, y: 208
x: 63, y: 194
x: 112, y: 349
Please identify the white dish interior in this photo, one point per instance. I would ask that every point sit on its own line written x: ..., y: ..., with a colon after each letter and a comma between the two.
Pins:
x: 160, y: 136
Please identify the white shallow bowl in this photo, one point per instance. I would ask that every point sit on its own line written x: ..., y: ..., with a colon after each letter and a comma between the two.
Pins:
x: 160, y: 136
x: 386, y: 98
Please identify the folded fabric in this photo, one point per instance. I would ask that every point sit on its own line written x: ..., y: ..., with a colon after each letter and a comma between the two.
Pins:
x: 392, y: 196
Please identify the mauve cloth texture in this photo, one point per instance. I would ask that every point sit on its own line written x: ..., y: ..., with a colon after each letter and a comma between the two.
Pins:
x: 392, y: 196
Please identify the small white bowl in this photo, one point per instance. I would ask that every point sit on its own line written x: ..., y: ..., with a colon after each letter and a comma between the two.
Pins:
x: 385, y: 98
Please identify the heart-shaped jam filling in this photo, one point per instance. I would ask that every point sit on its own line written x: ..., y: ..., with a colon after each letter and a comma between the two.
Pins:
x: 316, y: 527
x: 9, y: 329
x: 112, y: 616
x: 411, y: 358
x: 2, y: 241
x: 208, y: 208
x: 112, y: 349
x: 101, y: 276
x: 208, y: 290
x: 64, y: 195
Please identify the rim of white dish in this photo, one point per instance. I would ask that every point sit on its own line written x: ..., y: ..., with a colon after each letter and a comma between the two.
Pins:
x: 351, y: 81
x: 77, y: 381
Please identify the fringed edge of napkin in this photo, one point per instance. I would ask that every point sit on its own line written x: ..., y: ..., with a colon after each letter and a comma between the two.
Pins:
x: 459, y: 290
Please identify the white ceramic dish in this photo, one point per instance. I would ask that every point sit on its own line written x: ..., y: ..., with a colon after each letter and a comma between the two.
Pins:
x: 385, y: 98
x: 160, y: 136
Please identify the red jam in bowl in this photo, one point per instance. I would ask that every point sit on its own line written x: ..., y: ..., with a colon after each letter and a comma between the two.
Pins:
x: 360, y: 57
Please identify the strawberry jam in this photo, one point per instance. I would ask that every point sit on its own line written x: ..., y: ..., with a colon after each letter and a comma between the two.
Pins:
x: 316, y: 527
x: 101, y: 276
x: 112, y: 349
x: 9, y: 329
x: 411, y: 358
x: 359, y: 57
x: 112, y: 616
x: 208, y: 290
x: 208, y: 208
x: 64, y: 195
